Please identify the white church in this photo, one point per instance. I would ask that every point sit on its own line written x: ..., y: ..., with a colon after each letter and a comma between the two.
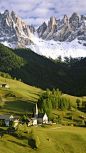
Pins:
x: 39, y: 118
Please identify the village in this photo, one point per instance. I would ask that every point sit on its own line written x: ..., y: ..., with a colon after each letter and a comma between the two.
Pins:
x: 39, y: 118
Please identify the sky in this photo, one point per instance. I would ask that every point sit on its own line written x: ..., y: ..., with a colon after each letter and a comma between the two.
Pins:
x: 35, y: 12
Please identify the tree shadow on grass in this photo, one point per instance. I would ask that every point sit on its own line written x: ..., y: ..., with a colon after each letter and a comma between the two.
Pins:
x: 31, y: 142
x: 19, y: 105
x: 20, y: 144
x: 82, y: 109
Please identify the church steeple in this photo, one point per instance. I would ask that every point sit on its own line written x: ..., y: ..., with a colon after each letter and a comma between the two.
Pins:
x: 36, y: 111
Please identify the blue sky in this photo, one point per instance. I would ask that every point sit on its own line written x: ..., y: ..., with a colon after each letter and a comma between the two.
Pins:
x: 37, y: 11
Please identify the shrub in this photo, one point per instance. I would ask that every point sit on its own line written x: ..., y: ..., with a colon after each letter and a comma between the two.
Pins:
x: 37, y: 142
x: 31, y: 134
x: 25, y: 127
x: 11, y: 123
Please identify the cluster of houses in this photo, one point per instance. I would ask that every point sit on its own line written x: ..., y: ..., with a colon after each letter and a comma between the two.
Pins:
x: 39, y: 118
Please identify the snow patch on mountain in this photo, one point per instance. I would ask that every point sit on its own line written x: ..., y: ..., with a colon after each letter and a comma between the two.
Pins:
x: 10, y: 45
x: 54, y: 49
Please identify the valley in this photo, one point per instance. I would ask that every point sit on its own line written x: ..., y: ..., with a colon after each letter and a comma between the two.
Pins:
x: 71, y: 129
x: 42, y: 84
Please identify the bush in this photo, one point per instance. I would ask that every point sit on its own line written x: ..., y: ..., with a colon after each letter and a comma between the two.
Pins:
x: 11, y: 123
x: 37, y: 142
x: 25, y: 127
x: 19, y: 133
x: 31, y: 134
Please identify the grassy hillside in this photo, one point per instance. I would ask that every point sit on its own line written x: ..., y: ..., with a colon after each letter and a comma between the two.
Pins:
x: 26, y: 97
x: 62, y: 140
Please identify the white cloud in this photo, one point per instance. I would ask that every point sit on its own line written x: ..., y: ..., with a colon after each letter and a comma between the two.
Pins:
x: 42, y: 10
x: 37, y: 21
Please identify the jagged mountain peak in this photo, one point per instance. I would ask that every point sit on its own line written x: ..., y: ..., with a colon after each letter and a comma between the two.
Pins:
x: 6, y: 12
x: 13, y: 31
x: 75, y: 14
x: 66, y: 29
x: 65, y: 37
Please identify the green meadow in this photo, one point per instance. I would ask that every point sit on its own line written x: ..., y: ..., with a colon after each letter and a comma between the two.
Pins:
x: 61, y: 140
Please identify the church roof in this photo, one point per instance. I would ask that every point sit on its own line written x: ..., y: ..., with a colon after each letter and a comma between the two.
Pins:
x: 41, y: 115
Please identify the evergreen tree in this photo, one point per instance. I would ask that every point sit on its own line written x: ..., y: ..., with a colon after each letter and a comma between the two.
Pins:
x: 78, y: 102
x: 31, y: 134
x: 11, y: 123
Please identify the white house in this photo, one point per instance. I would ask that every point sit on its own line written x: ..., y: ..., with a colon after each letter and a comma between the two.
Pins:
x: 34, y: 121
x: 31, y: 121
x: 4, y: 85
x: 8, y: 118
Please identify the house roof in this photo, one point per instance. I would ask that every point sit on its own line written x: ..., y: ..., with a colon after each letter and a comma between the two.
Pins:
x: 41, y: 115
x: 4, y: 84
x: 33, y: 118
x: 16, y: 117
x: 5, y: 117
x: 28, y: 120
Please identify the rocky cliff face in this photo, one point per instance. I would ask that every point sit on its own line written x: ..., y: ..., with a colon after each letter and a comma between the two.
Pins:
x: 15, y: 33
x: 41, y: 29
x: 13, y: 30
x: 51, y: 29
x: 66, y: 29
x: 32, y: 29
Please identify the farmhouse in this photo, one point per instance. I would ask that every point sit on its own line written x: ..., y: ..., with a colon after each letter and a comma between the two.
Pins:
x: 8, y: 118
x: 4, y: 85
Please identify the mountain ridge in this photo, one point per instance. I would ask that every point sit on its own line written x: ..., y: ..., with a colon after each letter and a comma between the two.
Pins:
x: 65, y: 37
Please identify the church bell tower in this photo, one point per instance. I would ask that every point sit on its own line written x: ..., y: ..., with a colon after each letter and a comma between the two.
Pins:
x: 36, y: 111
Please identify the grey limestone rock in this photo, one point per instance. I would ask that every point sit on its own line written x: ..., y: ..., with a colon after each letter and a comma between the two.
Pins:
x: 66, y: 29
x: 41, y: 29
x: 13, y: 29
x: 32, y: 29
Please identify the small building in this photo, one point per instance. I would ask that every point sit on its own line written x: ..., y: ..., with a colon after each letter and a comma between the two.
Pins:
x: 16, y: 120
x: 29, y: 122
x: 34, y: 121
x: 8, y: 118
x: 4, y: 85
